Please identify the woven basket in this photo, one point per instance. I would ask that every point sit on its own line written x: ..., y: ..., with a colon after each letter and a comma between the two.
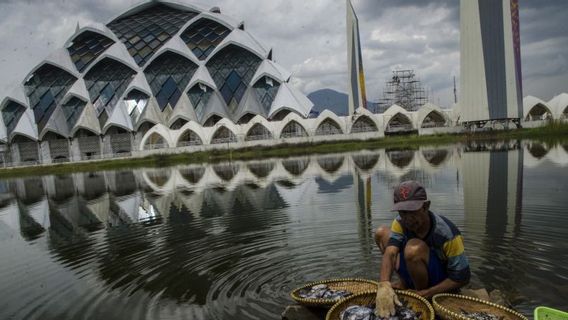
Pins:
x: 352, y: 285
x: 414, y: 301
x: 450, y: 306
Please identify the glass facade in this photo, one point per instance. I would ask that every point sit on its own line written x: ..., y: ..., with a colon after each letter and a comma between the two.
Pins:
x: 72, y: 110
x: 189, y: 138
x: 86, y: 47
x: 258, y: 132
x: 292, y: 130
x: 45, y: 89
x: 106, y: 82
x: 168, y: 75
x: 11, y: 114
x: 328, y: 127
x: 363, y: 124
x: 223, y: 135
x: 199, y: 96
x: 266, y: 89
x: 136, y: 101
x: 232, y: 70
x: 203, y: 36
x: 144, y: 32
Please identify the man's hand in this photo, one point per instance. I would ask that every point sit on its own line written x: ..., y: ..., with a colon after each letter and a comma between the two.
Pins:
x: 385, y: 300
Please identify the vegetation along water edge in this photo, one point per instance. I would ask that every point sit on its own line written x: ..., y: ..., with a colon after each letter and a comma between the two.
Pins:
x: 552, y: 133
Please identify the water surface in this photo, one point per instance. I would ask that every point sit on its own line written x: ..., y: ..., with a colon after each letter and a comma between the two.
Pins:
x: 231, y: 240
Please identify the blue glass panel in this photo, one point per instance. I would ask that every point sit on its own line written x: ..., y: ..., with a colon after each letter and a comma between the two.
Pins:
x: 45, y: 89
x: 266, y: 92
x: 11, y: 114
x: 167, y: 74
x: 203, y: 36
x: 199, y: 98
x: 72, y: 109
x: 149, y: 29
x: 87, y: 47
x: 106, y: 82
x: 230, y: 64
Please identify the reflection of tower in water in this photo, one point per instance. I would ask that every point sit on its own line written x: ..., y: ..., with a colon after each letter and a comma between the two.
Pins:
x: 363, y: 193
x: 492, y: 188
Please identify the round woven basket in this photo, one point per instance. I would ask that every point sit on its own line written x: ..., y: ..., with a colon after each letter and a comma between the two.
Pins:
x: 413, y: 301
x: 352, y: 285
x: 450, y: 307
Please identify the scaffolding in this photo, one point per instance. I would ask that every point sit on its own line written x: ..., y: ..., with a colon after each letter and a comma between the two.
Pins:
x: 405, y: 90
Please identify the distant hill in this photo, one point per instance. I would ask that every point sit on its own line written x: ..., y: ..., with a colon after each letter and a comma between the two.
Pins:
x: 334, y: 101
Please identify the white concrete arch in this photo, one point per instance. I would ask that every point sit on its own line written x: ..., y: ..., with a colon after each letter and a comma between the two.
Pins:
x: 222, y: 19
x: 258, y: 119
x: 177, y: 46
x: 530, y: 102
x: 47, y: 130
x: 360, y: 113
x: 25, y: 127
x: 324, y: 116
x: 290, y: 97
x: 150, y: 3
x: 425, y: 111
x: 16, y: 94
x: 189, y: 126
x: 202, y: 76
x: 280, y: 125
x: 119, y: 117
x: 234, y: 129
x: 59, y: 59
x: 118, y: 53
x: 268, y: 68
x: 78, y: 90
x: 139, y: 83
x: 161, y: 131
x: 73, y: 133
x: 240, y: 39
x: 92, y: 27
x: 560, y: 105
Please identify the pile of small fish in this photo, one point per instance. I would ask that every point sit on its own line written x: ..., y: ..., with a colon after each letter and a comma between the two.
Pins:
x: 481, y: 315
x: 368, y: 313
x: 322, y: 291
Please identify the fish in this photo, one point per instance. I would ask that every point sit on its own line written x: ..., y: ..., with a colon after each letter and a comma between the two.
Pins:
x: 357, y: 312
x: 481, y: 315
x: 322, y: 291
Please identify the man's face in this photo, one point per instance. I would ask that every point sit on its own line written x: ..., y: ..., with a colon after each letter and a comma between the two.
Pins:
x: 415, y: 220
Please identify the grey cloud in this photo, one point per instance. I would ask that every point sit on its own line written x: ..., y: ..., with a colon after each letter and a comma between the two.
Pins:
x: 308, y: 38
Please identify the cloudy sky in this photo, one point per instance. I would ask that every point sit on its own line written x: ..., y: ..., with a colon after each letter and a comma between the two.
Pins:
x: 309, y: 39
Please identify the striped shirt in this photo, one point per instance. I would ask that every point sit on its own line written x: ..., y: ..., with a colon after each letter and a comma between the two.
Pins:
x: 444, y: 238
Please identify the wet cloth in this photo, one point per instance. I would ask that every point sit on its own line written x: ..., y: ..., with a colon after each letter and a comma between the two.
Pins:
x: 446, y: 248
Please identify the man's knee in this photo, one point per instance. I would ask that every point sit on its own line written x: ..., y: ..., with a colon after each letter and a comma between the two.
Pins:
x: 382, y: 235
x: 416, y: 250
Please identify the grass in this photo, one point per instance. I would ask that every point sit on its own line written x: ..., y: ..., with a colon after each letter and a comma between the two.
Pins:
x: 553, y: 133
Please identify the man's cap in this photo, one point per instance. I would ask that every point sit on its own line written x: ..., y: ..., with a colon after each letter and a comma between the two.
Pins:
x: 409, y: 196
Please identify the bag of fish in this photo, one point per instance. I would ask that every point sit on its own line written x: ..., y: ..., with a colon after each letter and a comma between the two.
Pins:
x: 481, y: 315
x: 368, y: 313
x: 322, y: 291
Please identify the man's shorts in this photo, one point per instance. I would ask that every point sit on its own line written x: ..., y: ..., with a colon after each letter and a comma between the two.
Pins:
x: 436, y: 270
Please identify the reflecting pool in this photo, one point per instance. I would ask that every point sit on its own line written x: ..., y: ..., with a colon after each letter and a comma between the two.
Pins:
x: 231, y: 240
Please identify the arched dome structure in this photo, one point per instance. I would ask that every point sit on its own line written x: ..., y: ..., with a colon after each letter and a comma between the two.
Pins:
x: 160, y: 62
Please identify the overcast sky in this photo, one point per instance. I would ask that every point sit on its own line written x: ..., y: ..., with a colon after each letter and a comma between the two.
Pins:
x: 308, y: 38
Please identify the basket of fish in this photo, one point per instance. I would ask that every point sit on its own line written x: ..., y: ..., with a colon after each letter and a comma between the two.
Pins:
x: 362, y: 307
x: 457, y: 307
x: 326, y: 293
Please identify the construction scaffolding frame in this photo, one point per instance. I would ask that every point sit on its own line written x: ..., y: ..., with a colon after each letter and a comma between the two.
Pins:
x: 403, y: 89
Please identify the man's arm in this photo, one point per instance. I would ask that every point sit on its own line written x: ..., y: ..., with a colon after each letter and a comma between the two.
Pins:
x: 445, y: 286
x: 388, y: 264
